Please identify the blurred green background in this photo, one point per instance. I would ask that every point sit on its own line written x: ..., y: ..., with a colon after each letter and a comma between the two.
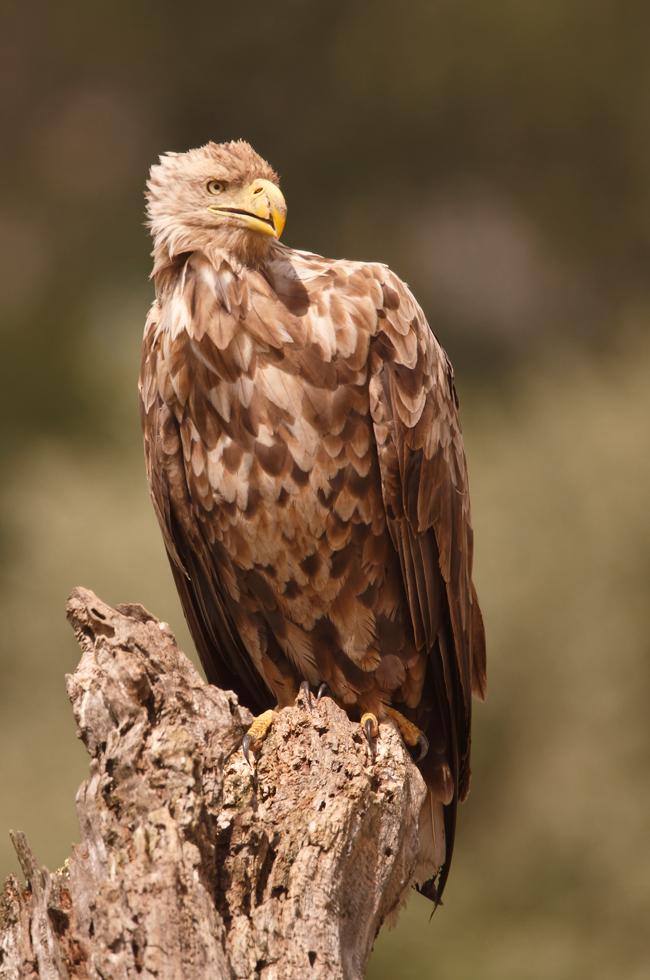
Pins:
x: 497, y: 155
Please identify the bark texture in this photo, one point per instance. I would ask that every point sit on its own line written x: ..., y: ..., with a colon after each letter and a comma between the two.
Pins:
x: 190, y: 864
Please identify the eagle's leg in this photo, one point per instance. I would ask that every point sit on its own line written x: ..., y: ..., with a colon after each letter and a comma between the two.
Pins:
x: 261, y: 726
x: 257, y: 733
x: 411, y: 734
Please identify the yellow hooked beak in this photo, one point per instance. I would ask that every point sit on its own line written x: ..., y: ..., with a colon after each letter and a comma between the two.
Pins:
x: 260, y: 207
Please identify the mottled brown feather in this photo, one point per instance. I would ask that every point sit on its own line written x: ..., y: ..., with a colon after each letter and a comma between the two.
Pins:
x: 306, y: 466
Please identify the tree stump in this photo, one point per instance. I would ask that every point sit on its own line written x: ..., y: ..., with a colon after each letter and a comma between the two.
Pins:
x: 192, y: 864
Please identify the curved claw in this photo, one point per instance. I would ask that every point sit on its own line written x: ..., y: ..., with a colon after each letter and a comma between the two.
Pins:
x: 246, y: 748
x: 371, y: 740
x: 322, y: 690
x: 305, y: 690
x: 370, y: 727
x: 423, y: 747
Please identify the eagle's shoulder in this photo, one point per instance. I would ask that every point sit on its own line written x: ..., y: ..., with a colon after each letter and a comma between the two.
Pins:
x: 352, y: 279
x: 350, y: 296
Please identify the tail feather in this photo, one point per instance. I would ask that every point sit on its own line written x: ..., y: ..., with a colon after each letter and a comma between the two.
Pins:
x: 433, y: 845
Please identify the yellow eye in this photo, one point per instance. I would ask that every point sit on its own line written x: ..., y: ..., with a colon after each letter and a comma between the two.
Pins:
x: 215, y: 187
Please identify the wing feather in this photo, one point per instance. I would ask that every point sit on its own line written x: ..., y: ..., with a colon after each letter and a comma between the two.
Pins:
x: 206, y: 602
x: 424, y: 483
x: 308, y: 363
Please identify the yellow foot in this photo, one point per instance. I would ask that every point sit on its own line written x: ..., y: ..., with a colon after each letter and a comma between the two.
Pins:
x: 412, y: 735
x: 257, y: 733
x: 370, y: 727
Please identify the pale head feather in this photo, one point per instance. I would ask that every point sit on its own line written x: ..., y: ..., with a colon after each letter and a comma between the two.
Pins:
x: 177, y: 203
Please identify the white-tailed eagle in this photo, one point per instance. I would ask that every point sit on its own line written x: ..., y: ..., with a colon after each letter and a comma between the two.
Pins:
x: 306, y: 465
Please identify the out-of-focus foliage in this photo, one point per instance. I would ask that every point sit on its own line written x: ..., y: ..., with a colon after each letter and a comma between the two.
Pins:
x: 498, y: 157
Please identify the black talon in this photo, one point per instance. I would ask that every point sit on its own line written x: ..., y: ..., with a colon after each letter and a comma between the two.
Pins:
x: 306, y: 692
x: 322, y: 690
x: 423, y: 746
x: 246, y: 748
x: 370, y: 738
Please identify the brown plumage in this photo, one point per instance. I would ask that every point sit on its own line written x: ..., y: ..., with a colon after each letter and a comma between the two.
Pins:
x: 306, y: 466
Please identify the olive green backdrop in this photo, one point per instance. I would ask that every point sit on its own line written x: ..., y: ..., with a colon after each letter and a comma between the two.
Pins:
x: 497, y: 155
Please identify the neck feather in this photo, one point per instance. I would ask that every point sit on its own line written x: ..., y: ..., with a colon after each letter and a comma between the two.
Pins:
x: 238, y: 248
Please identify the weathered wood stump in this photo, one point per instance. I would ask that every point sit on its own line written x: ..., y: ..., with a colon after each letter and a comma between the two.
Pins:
x: 190, y: 864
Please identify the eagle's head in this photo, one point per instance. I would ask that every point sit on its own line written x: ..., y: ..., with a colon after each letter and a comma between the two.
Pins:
x: 221, y: 198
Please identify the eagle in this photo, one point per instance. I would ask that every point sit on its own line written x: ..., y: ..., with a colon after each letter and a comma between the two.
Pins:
x: 306, y: 465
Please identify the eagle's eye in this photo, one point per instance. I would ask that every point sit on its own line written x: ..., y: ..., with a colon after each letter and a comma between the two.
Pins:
x: 215, y: 186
